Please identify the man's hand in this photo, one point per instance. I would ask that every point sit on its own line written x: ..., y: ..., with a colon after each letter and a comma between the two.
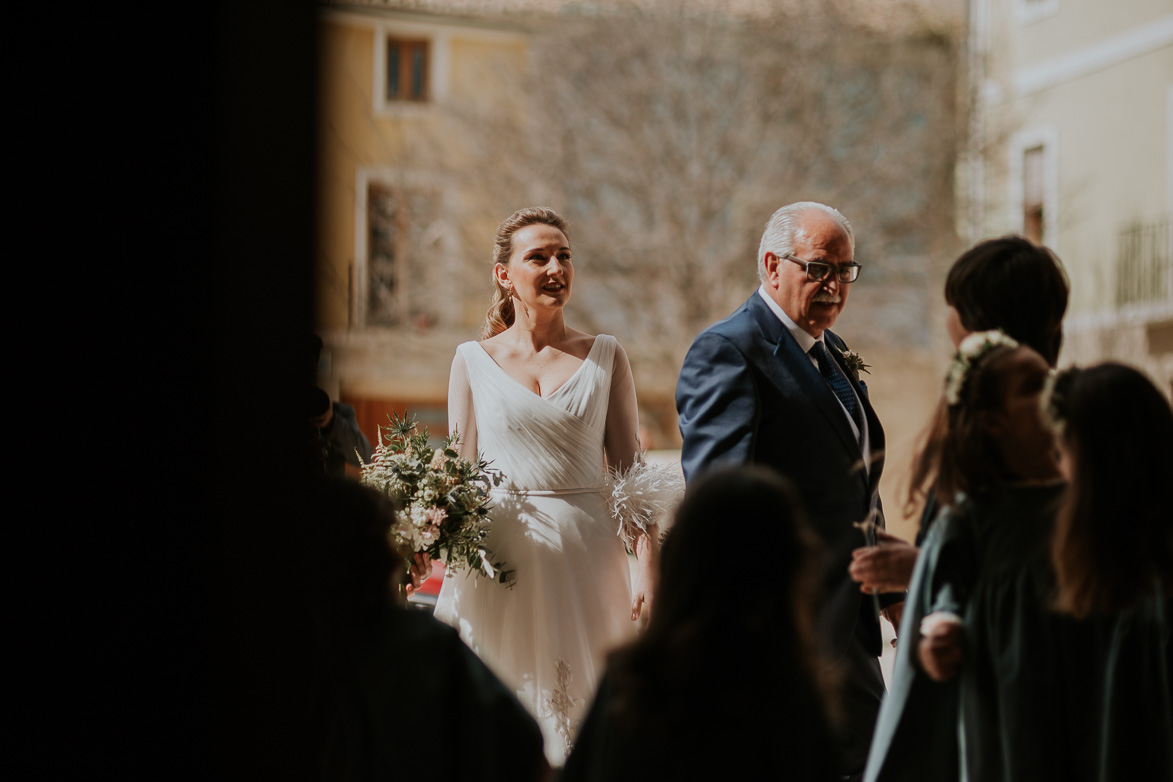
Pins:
x: 940, y: 648
x: 894, y: 613
x: 885, y: 567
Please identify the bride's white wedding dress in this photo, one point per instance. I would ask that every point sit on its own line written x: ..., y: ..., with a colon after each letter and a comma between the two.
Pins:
x: 547, y: 637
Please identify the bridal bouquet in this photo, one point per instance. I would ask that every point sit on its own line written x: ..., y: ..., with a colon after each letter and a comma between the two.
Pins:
x: 443, y: 500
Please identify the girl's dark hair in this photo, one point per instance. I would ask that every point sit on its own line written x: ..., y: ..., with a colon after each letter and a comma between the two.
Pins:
x: 956, y: 452
x: 347, y: 557
x: 1113, y: 541
x: 719, y: 642
x: 753, y: 500
x: 1013, y: 285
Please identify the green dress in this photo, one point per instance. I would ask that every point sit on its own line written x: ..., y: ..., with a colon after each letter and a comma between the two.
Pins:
x: 916, y: 732
x: 1019, y: 657
x: 1047, y: 696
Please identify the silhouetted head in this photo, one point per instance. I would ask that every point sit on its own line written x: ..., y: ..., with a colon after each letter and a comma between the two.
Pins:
x: 344, y: 543
x: 1114, y: 535
x: 1013, y: 285
x: 721, y: 511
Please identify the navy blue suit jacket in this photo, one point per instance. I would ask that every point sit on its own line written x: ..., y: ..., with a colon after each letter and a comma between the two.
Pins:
x: 747, y: 393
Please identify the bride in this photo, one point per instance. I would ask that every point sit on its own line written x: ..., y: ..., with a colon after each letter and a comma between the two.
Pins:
x: 554, y: 409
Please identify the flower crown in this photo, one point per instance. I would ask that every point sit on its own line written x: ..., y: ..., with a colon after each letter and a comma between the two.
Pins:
x: 971, y: 350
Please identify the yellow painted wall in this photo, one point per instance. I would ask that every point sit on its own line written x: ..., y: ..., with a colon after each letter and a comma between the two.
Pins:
x: 354, y: 135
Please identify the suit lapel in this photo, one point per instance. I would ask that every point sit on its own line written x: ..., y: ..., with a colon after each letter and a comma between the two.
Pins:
x: 791, y: 368
x: 875, y: 430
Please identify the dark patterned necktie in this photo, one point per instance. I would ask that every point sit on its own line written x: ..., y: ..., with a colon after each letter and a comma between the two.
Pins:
x: 836, y: 380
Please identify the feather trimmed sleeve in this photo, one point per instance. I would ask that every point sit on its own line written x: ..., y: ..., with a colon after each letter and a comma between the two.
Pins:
x: 643, y: 496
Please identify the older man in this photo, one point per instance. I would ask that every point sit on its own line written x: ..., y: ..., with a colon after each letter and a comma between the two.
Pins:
x: 772, y: 385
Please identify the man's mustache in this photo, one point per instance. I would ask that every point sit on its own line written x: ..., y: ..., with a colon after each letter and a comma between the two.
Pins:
x: 825, y: 297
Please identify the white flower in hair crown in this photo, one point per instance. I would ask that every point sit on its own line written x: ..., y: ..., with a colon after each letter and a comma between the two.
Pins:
x: 969, y: 352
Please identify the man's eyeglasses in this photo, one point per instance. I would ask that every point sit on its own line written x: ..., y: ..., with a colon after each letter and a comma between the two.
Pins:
x: 817, y: 271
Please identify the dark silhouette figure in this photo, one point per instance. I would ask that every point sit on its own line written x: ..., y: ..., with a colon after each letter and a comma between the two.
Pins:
x: 1112, y: 552
x: 723, y: 681
x: 401, y: 696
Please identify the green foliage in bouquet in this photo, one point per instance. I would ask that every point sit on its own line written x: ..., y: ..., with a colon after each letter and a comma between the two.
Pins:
x: 442, y: 500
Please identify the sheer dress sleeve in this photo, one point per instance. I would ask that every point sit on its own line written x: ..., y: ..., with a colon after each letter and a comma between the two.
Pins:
x: 461, y: 415
x: 642, y: 496
x: 950, y: 550
x: 621, y: 439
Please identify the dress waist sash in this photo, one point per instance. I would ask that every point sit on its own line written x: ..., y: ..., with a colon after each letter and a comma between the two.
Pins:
x: 598, y: 488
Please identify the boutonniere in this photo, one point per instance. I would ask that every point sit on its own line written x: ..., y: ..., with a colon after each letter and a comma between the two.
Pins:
x: 853, y: 362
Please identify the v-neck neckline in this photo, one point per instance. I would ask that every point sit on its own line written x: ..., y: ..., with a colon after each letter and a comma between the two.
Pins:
x: 523, y: 386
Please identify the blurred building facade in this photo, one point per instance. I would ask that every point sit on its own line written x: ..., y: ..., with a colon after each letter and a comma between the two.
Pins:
x: 1071, y: 144
x: 405, y: 228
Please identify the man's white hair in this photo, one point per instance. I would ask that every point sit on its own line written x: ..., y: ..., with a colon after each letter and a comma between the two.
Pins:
x: 778, y: 237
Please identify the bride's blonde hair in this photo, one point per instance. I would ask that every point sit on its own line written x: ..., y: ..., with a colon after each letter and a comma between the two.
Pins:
x: 500, y: 314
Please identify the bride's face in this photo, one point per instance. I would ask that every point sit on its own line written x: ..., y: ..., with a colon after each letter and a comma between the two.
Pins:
x: 539, y: 271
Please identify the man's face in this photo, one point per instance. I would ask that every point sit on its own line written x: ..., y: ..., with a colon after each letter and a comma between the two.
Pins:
x: 814, y: 306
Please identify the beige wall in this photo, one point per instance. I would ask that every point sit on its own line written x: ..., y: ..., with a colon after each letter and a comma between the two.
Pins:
x: 1111, y: 158
x: 1092, y: 80
x: 1078, y: 23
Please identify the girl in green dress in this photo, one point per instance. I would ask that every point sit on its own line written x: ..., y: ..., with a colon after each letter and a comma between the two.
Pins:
x: 978, y: 582
x: 1113, y: 560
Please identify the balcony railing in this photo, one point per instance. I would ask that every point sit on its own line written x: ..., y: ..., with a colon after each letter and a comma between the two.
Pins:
x: 1143, y: 269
